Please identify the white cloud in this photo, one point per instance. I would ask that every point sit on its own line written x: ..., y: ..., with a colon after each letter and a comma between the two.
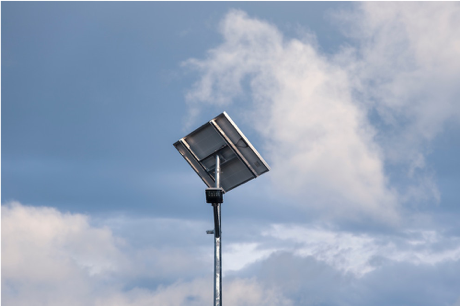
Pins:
x: 356, y: 253
x: 317, y: 139
x: 239, y: 255
x: 51, y: 258
x: 410, y: 68
x: 313, y: 110
x: 43, y: 244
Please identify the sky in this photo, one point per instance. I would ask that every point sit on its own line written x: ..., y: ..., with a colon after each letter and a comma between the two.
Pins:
x: 355, y: 107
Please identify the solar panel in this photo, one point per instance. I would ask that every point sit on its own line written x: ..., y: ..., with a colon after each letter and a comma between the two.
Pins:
x: 239, y: 160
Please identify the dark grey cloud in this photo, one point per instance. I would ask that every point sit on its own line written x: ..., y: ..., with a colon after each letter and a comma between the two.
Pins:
x: 307, y: 281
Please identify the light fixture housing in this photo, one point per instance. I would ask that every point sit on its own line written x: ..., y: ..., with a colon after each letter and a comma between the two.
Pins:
x: 214, y: 195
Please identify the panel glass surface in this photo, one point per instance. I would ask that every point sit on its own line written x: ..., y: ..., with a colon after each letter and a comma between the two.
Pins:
x: 242, y: 144
x: 207, y: 179
x: 234, y: 173
x: 205, y: 141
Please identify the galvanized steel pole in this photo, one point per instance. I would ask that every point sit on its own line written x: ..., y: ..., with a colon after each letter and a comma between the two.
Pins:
x: 217, y: 243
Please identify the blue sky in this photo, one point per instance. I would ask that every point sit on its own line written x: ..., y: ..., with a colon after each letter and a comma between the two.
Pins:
x: 353, y: 105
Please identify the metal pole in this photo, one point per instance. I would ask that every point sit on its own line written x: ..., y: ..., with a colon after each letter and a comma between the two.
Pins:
x: 217, y: 244
x: 217, y: 171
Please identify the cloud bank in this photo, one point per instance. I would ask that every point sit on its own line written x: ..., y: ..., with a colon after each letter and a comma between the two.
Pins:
x: 52, y: 258
x: 55, y: 258
x: 333, y: 125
